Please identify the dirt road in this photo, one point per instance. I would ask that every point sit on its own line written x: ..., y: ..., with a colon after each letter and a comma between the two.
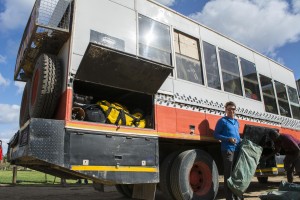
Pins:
x: 87, y: 192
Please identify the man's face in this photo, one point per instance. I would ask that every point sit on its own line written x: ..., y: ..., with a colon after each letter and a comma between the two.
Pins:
x: 230, y: 110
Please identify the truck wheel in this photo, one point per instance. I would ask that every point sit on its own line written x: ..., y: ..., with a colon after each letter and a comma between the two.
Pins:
x: 24, y: 109
x: 262, y: 179
x: 194, y: 175
x: 164, y: 178
x: 46, y: 87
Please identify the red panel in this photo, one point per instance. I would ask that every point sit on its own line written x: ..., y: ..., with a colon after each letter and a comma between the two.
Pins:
x: 212, y: 121
x: 294, y: 133
x: 186, y: 118
x: 171, y: 120
x: 64, y: 107
x: 165, y: 119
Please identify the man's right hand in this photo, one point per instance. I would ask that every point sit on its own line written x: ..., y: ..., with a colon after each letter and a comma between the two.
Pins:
x: 232, y: 140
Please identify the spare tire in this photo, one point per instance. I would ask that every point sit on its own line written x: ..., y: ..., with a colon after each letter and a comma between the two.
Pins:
x: 24, y: 109
x: 46, y: 86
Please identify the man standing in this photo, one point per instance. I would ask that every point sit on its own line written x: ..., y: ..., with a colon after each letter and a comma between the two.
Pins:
x: 227, y: 131
x: 291, y: 147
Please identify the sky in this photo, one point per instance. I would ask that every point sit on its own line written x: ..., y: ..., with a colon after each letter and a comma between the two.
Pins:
x: 270, y: 27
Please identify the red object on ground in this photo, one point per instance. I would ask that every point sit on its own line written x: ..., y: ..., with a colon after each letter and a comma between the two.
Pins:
x: 1, y: 156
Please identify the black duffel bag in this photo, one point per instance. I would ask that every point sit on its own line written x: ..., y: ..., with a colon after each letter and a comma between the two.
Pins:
x: 93, y: 113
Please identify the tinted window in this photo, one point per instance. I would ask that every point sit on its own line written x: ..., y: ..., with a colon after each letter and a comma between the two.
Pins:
x: 268, y: 94
x: 212, y: 68
x: 187, y: 58
x: 188, y: 69
x: 230, y: 72
x: 154, y: 40
x: 293, y: 95
x: 296, y: 111
x: 283, y: 103
x: 250, y: 80
x: 294, y: 101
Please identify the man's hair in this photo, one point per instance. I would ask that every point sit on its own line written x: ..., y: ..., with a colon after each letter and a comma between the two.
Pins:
x: 274, y: 133
x: 230, y: 103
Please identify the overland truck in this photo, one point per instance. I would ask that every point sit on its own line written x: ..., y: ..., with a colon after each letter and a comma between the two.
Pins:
x: 128, y: 93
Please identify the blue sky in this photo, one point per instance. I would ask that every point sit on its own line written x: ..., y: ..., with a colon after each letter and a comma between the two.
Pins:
x: 271, y: 27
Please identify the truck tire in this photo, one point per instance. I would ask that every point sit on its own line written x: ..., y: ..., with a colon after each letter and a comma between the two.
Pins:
x: 24, y: 109
x: 46, y: 87
x: 194, y: 176
x: 164, y: 175
x: 262, y: 179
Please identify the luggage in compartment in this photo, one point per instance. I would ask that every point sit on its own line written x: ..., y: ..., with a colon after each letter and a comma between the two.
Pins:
x: 85, y: 109
x: 119, y: 115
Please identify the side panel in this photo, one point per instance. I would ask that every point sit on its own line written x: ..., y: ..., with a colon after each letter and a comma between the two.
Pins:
x: 262, y: 65
x: 282, y: 75
x: 187, y: 120
x: 168, y: 86
x: 105, y: 17
x: 126, y: 3
x: 114, y: 158
x: 226, y: 44
x: 165, y: 119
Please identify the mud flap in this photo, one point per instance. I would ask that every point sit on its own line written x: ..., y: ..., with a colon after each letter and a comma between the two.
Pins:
x: 144, y: 191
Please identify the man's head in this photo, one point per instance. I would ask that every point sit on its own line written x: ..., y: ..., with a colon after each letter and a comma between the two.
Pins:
x: 230, y: 109
x: 273, y: 134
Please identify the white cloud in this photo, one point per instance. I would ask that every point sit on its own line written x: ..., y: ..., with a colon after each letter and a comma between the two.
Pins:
x: 2, y: 59
x: 261, y: 25
x: 9, y: 113
x: 166, y: 2
x: 3, y: 81
x: 20, y: 86
x: 16, y: 13
x: 6, y: 134
x: 296, y: 6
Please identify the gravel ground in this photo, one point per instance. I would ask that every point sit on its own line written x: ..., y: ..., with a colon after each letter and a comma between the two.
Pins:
x: 87, y: 192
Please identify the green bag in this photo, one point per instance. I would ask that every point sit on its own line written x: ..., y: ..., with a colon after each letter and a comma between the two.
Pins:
x: 244, y: 170
x: 280, y: 195
x: 286, y: 186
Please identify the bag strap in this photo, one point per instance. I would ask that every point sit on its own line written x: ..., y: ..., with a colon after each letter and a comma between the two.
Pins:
x: 89, y: 106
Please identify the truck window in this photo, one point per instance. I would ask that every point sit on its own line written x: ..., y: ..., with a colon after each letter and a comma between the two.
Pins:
x: 294, y: 101
x: 230, y: 72
x: 268, y: 94
x: 212, y: 67
x: 283, y: 102
x: 154, y: 40
x: 187, y: 58
x: 251, y: 85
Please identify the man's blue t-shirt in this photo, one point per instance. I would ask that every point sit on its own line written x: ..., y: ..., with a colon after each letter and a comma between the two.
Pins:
x: 227, y: 128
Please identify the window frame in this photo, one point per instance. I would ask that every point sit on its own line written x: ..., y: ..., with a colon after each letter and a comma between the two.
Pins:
x: 251, y: 81
x: 140, y: 42
x: 274, y: 96
x: 188, y: 58
x: 231, y: 73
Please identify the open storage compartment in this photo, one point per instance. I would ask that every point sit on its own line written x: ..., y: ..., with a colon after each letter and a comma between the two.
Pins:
x: 107, y: 66
x: 88, y: 93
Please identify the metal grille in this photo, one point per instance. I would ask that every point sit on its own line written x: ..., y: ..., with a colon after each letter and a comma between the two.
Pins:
x: 54, y: 13
x: 46, y: 31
